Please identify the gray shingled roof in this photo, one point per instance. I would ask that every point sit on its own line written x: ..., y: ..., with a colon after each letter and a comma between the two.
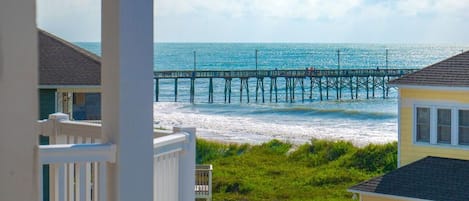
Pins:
x: 64, y: 64
x: 452, y: 72
x: 431, y: 178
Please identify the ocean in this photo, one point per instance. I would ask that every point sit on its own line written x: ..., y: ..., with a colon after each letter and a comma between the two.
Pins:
x: 361, y: 121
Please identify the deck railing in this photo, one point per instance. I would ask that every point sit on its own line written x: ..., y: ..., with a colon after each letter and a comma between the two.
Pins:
x: 174, y: 165
x: 203, y: 184
x: 77, y: 161
x: 77, y: 171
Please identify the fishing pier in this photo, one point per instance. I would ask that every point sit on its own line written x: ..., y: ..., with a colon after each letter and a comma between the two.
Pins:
x: 337, y: 84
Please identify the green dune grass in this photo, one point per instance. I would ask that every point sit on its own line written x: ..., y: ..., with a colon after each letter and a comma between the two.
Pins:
x: 319, y: 170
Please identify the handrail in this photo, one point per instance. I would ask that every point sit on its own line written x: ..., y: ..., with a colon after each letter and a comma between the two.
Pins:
x: 161, y: 133
x: 75, y: 153
x: 82, y: 129
x: 169, y: 140
x: 64, y: 126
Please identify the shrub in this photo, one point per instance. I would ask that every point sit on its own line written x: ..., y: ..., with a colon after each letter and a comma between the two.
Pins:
x: 209, y: 151
x: 336, y: 176
x: 276, y: 147
x: 320, y: 170
x: 375, y: 158
x: 320, y: 152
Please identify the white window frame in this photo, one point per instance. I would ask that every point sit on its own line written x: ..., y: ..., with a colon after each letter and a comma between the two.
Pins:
x: 455, y: 107
x: 456, y: 126
x: 452, y: 135
x: 414, y: 134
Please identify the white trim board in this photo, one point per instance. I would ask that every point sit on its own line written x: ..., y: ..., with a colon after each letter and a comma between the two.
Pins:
x: 426, y: 87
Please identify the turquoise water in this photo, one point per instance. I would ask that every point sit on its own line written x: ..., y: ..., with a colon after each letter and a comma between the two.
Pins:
x: 360, y: 121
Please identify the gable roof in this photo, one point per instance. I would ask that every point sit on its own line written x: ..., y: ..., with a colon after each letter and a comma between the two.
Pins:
x: 62, y: 63
x: 451, y: 72
x: 431, y: 178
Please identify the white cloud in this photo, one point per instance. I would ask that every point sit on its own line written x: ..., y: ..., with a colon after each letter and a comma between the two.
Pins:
x: 306, y: 9
x: 452, y: 8
x: 310, y: 9
x: 413, y: 7
x: 272, y: 20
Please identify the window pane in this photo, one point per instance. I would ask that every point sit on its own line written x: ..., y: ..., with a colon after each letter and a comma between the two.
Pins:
x: 423, y: 124
x: 423, y: 133
x: 444, y: 116
x: 464, y: 136
x: 464, y: 117
x: 444, y: 126
x: 423, y: 115
x: 464, y: 127
x: 444, y: 134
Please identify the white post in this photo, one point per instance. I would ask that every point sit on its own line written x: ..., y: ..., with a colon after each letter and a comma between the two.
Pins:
x: 127, y: 92
x: 19, y: 169
x: 53, y: 125
x: 187, y: 166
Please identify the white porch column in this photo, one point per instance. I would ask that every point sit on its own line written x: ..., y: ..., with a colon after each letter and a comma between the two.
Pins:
x: 18, y: 100
x: 127, y: 92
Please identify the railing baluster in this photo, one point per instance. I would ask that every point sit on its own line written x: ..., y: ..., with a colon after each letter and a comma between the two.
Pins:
x: 80, y: 184
x: 155, y: 179
x: 62, y: 180
x: 102, y: 185
x: 209, y: 184
x: 88, y: 176
x: 175, y: 172
x: 160, y: 182
x: 41, y: 179
x: 88, y: 182
x: 70, y: 181
x: 94, y: 179
x: 166, y: 179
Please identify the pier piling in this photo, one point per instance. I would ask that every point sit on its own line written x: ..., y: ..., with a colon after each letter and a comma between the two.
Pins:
x: 157, y: 89
x: 210, y: 90
x: 176, y: 90
x: 228, y: 89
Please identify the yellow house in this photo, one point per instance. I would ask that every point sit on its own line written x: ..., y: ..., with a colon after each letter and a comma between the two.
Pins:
x: 433, y: 138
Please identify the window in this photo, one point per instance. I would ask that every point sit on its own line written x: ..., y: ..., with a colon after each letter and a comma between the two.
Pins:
x: 423, y: 124
x: 78, y: 98
x: 444, y: 126
x: 463, y: 127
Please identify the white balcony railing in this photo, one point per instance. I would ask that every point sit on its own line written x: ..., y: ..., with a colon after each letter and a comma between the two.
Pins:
x: 77, y: 161
x: 203, y: 184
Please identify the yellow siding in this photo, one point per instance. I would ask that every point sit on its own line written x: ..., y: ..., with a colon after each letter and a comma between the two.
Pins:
x: 377, y: 198
x: 410, y: 152
x: 425, y: 94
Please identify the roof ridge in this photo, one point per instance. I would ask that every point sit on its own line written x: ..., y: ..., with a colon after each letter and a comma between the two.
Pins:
x: 82, y: 51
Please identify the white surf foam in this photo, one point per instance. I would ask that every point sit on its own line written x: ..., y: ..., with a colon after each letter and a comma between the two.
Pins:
x: 245, y: 129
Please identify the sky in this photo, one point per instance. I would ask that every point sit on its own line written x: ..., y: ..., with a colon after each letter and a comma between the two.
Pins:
x: 304, y: 21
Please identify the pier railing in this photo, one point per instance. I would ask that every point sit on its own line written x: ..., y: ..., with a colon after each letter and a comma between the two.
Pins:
x: 77, y: 161
x: 281, y: 73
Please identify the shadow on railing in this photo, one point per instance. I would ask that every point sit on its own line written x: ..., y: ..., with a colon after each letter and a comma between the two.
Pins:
x: 77, y: 161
